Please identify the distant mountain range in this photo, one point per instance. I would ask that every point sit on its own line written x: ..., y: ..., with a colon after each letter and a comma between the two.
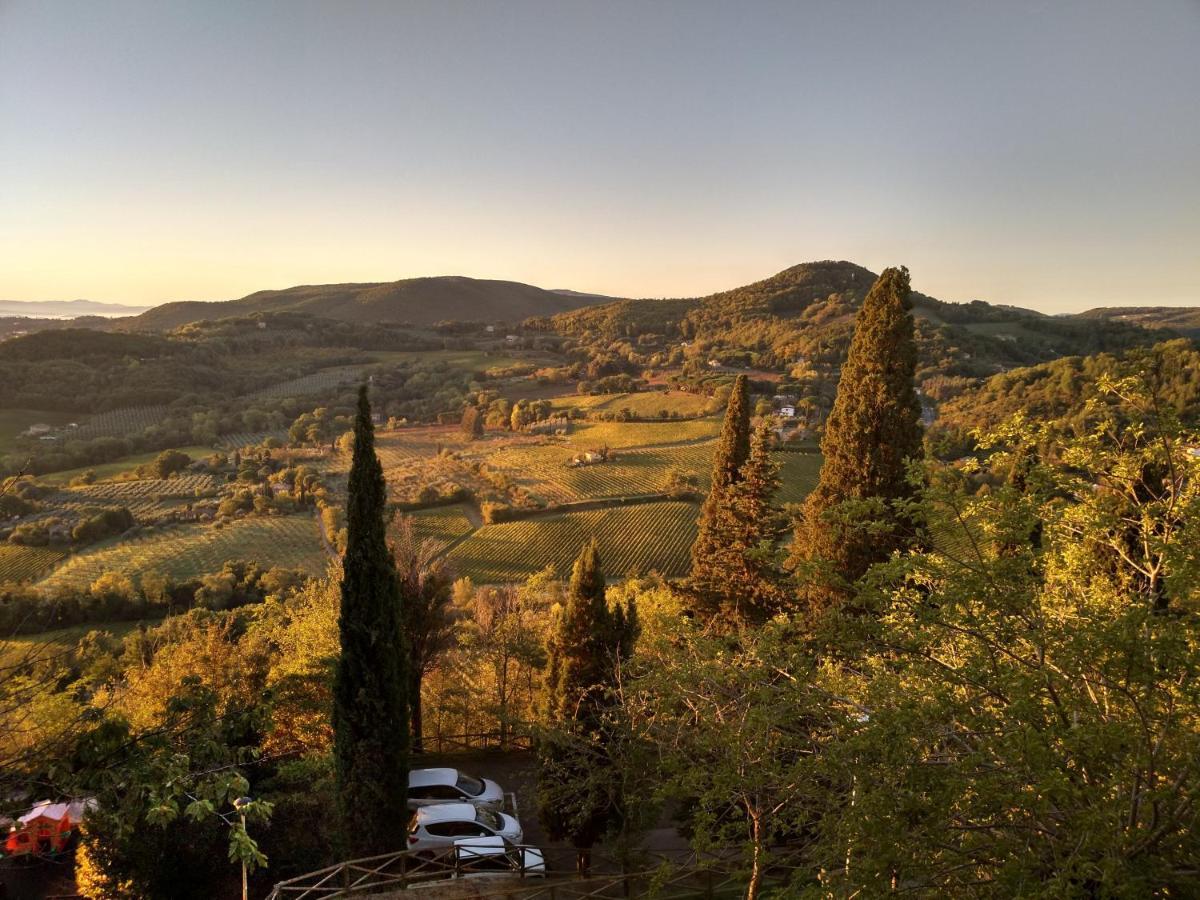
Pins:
x: 417, y: 301
x: 800, y: 295
x: 66, y: 309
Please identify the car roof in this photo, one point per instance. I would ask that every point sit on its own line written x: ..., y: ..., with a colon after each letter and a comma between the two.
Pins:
x: 447, y: 812
x: 429, y: 777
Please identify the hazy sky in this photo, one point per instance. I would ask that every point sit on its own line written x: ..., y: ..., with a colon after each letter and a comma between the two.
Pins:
x: 1044, y: 154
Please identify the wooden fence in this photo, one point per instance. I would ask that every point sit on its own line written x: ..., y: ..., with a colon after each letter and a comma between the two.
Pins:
x: 672, y: 876
x: 515, y: 738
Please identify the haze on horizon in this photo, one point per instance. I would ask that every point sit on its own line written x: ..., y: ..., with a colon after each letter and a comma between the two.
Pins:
x: 1043, y: 155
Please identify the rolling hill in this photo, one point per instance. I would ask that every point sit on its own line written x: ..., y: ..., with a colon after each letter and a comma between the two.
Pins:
x: 806, y: 314
x: 1183, y: 319
x: 417, y: 301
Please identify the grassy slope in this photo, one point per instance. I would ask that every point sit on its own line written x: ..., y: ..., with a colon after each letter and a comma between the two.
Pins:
x: 14, y: 421
x: 123, y: 465
x: 26, y: 648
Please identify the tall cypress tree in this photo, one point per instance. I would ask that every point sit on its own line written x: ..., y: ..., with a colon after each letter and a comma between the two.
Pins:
x: 734, y: 446
x: 578, y: 793
x: 733, y: 449
x: 370, y: 691
x: 849, y: 520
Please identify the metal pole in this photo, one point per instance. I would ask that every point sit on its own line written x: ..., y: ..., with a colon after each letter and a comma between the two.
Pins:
x: 245, y: 886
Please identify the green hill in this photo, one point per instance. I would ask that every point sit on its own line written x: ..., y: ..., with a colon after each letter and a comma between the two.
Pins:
x: 418, y: 301
x: 1183, y: 319
x: 805, y: 315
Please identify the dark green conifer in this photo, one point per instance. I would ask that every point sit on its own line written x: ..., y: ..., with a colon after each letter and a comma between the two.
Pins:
x: 850, y: 521
x: 370, y: 692
x: 578, y: 793
x: 732, y: 450
x: 734, y: 445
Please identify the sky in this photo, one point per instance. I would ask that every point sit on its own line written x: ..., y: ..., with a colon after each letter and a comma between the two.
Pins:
x: 1044, y: 154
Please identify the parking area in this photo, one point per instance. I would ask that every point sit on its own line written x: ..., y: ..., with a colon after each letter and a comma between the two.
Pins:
x: 516, y: 772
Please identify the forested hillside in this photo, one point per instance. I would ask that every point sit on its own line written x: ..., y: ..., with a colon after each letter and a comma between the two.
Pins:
x: 1070, y: 392
x: 799, y: 322
x: 416, y: 301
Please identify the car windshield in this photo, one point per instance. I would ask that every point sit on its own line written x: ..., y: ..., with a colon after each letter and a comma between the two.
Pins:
x: 490, y: 819
x: 470, y: 786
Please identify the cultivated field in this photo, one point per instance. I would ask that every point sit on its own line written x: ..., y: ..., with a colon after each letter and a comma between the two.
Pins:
x: 641, y: 434
x: 441, y: 525
x: 238, y: 439
x: 643, y: 404
x: 637, y: 538
x: 190, y: 550
x: 117, y: 422
x: 544, y: 470
x: 122, y: 466
x: 798, y: 474
x: 324, y: 380
x: 25, y: 563
x: 122, y: 493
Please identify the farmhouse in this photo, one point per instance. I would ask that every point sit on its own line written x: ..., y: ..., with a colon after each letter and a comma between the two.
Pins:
x: 46, y: 828
x: 37, y: 430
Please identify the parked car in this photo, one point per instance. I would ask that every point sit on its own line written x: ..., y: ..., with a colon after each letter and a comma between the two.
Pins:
x: 429, y: 786
x: 440, y: 827
x: 487, y: 857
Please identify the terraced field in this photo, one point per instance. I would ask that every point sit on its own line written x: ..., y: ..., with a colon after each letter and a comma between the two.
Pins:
x: 191, y: 550
x: 640, y: 538
x: 25, y: 563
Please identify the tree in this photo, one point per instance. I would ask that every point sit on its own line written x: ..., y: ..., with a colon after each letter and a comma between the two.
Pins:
x: 1031, y: 713
x: 578, y: 790
x: 733, y: 567
x: 732, y: 450
x: 472, y: 423
x: 371, y: 705
x: 850, y: 520
x: 426, y: 581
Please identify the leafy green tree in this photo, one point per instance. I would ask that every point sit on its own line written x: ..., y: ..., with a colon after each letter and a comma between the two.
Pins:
x: 426, y: 581
x: 371, y: 705
x: 164, y: 799
x: 578, y: 789
x: 850, y: 520
x: 1028, y: 714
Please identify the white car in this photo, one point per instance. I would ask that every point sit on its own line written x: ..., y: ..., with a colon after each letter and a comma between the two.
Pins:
x: 429, y: 786
x: 492, y: 856
x: 439, y: 828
